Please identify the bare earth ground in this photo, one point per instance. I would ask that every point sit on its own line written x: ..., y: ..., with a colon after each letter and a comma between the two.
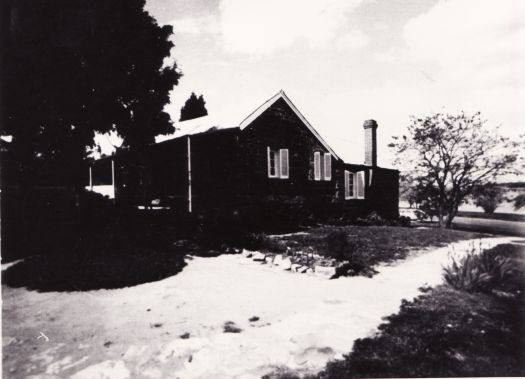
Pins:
x: 302, y: 321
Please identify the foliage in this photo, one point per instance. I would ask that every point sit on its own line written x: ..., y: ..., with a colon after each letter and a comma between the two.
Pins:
x: 373, y: 218
x: 80, y: 68
x: 519, y: 201
x: 194, y: 107
x: 447, y: 156
x: 263, y: 242
x: 477, y: 271
x: 487, y: 196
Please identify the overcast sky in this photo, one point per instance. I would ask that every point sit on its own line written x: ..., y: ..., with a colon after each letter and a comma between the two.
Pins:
x: 344, y: 61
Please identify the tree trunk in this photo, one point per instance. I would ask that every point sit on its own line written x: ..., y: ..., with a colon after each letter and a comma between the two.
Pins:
x: 451, y: 214
x: 440, y: 217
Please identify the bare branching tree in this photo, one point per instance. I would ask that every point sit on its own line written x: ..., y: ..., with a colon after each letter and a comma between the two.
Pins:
x: 448, y: 155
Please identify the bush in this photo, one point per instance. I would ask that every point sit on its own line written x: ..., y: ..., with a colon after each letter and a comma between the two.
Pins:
x: 343, y: 248
x: 404, y: 221
x: 477, y: 271
x: 262, y: 242
x: 372, y: 219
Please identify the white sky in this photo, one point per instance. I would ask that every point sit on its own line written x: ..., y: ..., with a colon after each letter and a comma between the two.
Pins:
x: 344, y: 61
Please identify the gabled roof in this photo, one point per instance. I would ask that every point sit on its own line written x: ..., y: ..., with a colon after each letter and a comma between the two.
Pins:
x: 205, y: 123
x: 268, y: 103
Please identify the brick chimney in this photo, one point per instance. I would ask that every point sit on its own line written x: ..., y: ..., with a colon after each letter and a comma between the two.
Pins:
x: 370, y: 127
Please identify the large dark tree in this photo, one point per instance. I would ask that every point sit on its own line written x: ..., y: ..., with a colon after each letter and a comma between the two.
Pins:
x: 448, y: 156
x: 194, y: 107
x: 75, y: 67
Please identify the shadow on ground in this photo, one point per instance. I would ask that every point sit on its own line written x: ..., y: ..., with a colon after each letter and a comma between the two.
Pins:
x: 92, y: 271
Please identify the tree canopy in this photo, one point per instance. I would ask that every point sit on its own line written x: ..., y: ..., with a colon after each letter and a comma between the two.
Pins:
x: 194, y: 107
x: 487, y: 196
x: 73, y: 68
x: 447, y: 155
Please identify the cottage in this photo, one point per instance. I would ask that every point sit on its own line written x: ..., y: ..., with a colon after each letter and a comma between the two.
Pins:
x: 272, y: 156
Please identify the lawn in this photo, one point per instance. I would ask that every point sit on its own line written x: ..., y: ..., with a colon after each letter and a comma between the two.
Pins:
x: 366, y: 246
x: 448, y: 332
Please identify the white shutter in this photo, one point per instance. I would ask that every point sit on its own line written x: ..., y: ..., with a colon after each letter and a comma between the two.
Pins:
x: 361, y: 185
x: 347, y: 185
x: 328, y: 166
x: 317, y: 165
x: 285, y: 170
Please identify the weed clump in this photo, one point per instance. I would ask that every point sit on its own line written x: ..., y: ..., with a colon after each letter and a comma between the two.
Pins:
x: 479, y: 270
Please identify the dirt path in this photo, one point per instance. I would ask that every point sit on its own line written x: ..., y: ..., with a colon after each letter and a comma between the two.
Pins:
x: 303, y: 321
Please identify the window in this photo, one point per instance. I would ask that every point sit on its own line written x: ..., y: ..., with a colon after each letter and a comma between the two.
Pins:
x: 349, y: 185
x: 327, y: 166
x: 283, y: 154
x: 278, y: 163
x: 354, y: 185
x: 360, y: 184
x: 322, y: 169
x: 317, y: 165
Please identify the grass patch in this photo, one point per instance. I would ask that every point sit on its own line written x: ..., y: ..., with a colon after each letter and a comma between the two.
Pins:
x: 448, y: 332
x: 362, y: 247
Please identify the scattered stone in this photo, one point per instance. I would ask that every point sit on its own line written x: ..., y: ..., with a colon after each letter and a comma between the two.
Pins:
x: 286, y: 264
x: 185, y: 336
x: 258, y: 257
x: 156, y: 325
x: 230, y: 327
x: 278, y: 260
x: 294, y: 267
x: 325, y: 271
x: 254, y: 319
x: 302, y: 269
x: 269, y: 258
x: 246, y: 253
x: 108, y: 344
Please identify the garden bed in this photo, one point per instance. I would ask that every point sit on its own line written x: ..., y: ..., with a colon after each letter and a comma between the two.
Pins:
x: 355, y: 250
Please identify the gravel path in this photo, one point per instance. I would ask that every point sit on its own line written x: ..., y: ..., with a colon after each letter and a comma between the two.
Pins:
x: 298, y: 321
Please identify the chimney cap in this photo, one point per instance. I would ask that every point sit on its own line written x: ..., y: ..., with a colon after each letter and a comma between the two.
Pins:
x: 370, y: 124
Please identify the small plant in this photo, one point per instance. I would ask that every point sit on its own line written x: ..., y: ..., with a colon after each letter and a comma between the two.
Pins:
x: 478, y: 270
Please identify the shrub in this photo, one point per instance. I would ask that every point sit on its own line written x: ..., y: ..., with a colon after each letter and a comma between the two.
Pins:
x: 404, y: 221
x: 372, y: 219
x: 477, y: 271
x: 262, y: 242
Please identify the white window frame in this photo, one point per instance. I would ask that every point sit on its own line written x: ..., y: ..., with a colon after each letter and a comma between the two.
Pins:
x: 359, y: 182
x: 281, y: 168
x: 349, y: 176
x: 284, y: 164
x: 327, y: 165
x: 317, y: 165
x: 269, y: 154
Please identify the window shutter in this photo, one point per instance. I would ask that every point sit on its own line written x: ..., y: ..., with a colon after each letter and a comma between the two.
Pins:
x: 360, y: 185
x: 269, y: 162
x: 328, y: 166
x: 285, y: 170
x: 317, y: 165
x: 347, y: 184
